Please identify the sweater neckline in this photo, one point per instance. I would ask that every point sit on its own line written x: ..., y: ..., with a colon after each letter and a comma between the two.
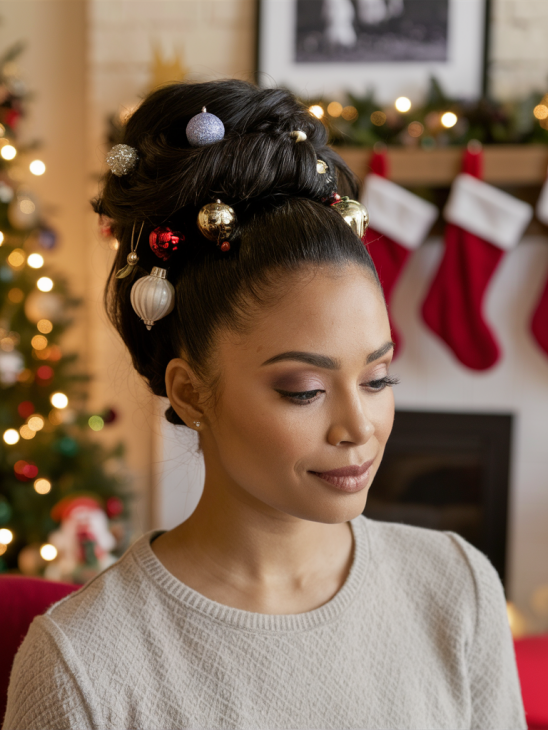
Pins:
x: 238, y: 618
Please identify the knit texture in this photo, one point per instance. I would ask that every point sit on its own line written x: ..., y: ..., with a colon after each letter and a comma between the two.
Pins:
x: 417, y: 638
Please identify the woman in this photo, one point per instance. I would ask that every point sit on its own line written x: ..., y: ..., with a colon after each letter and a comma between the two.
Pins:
x: 277, y: 604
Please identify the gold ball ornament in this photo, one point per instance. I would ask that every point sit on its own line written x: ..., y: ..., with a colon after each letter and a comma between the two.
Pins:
x: 216, y: 221
x: 153, y: 297
x: 354, y: 213
x: 132, y: 258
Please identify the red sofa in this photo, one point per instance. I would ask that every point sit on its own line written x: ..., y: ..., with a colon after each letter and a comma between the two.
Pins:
x: 21, y: 599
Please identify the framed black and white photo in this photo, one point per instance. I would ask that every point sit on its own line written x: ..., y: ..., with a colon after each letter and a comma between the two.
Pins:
x: 392, y: 47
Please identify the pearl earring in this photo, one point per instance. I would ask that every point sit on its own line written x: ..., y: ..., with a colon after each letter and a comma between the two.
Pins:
x: 197, y: 423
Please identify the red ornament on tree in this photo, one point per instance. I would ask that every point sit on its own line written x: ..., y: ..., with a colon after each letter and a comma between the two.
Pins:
x: 114, y: 507
x: 163, y: 241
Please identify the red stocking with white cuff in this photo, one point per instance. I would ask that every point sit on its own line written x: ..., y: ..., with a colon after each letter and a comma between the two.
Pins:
x: 539, y: 321
x: 482, y: 223
x: 399, y: 223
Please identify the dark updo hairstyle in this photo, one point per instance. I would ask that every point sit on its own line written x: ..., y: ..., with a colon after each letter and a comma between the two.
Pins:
x: 270, y: 180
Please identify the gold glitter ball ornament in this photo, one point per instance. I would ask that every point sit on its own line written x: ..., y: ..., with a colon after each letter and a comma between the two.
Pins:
x: 354, y: 213
x: 122, y: 159
x: 216, y: 221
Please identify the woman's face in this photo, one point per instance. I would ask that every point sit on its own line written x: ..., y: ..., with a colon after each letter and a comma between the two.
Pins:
x: 304, y: 392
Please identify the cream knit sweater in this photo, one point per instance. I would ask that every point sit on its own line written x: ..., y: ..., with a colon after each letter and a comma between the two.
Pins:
x: 417, y: 638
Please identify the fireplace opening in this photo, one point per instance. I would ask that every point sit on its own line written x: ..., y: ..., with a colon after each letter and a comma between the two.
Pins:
x: 448, y: 471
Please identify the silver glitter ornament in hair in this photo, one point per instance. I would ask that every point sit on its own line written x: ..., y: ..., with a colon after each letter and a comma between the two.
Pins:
x: 204, y: 129
x: 122, y: 159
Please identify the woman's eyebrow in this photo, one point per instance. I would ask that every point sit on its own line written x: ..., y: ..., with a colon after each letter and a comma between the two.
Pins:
x: 323, y: 361
x: 380, y: 352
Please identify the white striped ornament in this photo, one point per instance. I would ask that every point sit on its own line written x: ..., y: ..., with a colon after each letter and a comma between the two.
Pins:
x: 153, y: 296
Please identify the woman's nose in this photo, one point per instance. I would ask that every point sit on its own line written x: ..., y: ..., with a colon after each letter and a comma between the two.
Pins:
x: 353, y: 428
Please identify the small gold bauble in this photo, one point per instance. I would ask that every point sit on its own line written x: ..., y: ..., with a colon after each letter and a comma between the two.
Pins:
x: 321, y: 167
x: 354, y: 213
x: 132, y: 258
x: 216, y: 221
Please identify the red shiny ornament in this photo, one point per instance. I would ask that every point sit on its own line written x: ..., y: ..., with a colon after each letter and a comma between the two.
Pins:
x: 225, y: 246
x: 163, y: 241
x: 44, y: 373
x: 114, y: 507
x: 25, y: 409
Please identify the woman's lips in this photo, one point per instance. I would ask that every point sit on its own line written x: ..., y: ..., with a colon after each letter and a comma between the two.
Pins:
x: 348, y: 478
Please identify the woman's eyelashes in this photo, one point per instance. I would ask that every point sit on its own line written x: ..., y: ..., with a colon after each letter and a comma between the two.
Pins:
x: 308, y: 396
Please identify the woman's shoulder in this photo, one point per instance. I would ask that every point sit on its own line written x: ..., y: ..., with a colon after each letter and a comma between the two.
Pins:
x: 107, y: 599
x: 435, y: 565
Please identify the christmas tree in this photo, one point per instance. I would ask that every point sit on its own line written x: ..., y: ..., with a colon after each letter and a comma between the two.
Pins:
x: 48, y: 456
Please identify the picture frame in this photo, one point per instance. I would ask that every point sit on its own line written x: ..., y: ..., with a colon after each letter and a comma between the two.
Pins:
x: 322, y: 48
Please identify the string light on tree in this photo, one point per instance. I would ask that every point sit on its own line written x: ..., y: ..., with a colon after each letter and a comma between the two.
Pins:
x: 349, y: 113
x: 42, y: 486
x: 44, y: 283
x: 1, y: 238
x: 44, y: 326
x: 402, y: 104
x: 37, y: 167
x: 11, y: 436
x: 8, y: 152
x: 48, y: 551
x: 27, y: 433
x: 35, y: 261
x: 6, y: 536
x: 378, y: 118
x: 96, y: 423
x: 17, y: 258
x: 59, y: 400
x: 317, y: 111
x: 36, y: 423
x: 334, y: 109
x: 449, y: 119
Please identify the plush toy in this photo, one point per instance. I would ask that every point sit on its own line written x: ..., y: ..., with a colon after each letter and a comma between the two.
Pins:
x: 83, y: 540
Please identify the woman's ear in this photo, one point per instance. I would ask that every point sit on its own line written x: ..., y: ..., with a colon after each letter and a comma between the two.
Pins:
x: 182, y: 391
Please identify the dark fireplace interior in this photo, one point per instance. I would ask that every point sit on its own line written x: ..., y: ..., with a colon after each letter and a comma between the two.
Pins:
x: 448, y: 471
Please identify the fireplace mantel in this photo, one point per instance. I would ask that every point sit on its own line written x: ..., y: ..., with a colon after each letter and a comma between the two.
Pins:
x: 505, y: 165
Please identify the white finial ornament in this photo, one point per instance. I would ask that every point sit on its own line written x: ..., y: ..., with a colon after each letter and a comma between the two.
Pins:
x: 153, y: 296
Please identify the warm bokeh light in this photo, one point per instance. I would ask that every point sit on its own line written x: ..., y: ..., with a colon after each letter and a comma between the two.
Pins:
x: 96, y: 423
x: 55, y: 417
x: 39, y: 342
x: 44, y: 326
x: 27, y: 433
x: 3, y: 549
x: 8, y: 152
x: 44, y: 283
x: 42, y: 486
x: 17, y: 258
x: 415, y: 129
x: 540, y: 111
x: 316, y: 110
x: 334, y: 109
x: 349, y: 113
x: 16, y: 295
x: 378, y: 118
x: 1, y: 238
x: 403, y: 104
x: 6, y: 536
x: 35, y: 261
x: 35, y: 423
x: 48, y: 551
x: 449, y: 120
x: 11, y: 436
x: 59, y: 400
x: 37, y: 167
